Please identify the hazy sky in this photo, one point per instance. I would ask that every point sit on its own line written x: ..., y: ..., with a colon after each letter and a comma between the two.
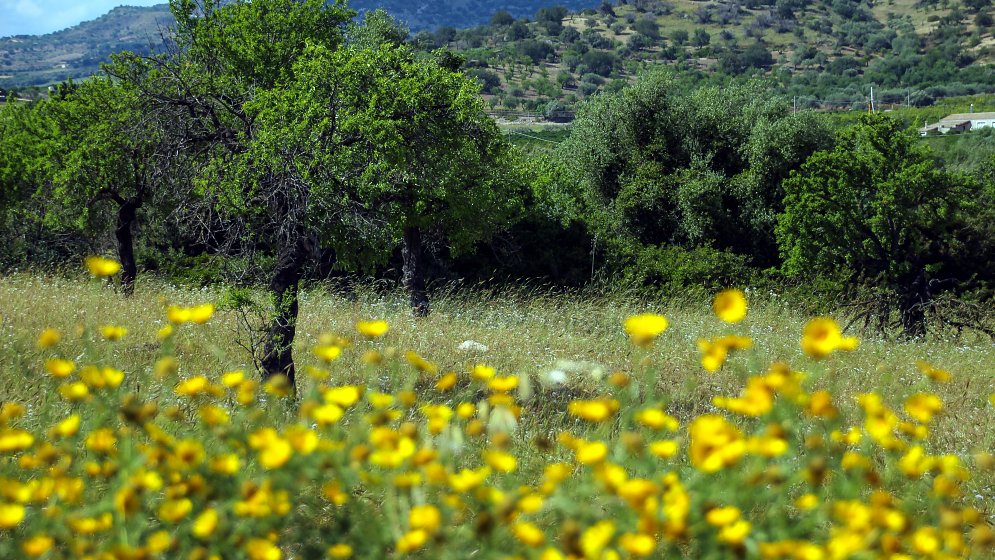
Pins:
x: 34, y: 17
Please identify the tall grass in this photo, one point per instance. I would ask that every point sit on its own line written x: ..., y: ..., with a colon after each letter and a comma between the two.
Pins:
x: 526, y: 331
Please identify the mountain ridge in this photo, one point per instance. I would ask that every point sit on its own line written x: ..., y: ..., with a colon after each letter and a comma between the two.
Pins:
x: 76, y: 52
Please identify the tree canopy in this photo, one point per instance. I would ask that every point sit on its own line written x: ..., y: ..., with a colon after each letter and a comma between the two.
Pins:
x: 875, y: 208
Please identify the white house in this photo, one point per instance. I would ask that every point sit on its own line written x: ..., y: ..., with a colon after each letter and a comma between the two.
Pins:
x: 960, y: 122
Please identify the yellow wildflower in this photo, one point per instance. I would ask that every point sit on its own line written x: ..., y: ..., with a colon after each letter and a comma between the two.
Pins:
x: 192, y: 387
x: 923, y: 407
x: 327, y: 353
x: 74, y: 391
x: 48, y: 338
x: 736, y: 533
x: 936, y: 374
x: 213, y: 415
x: 327, y: 414
x: 102, y: 267
x: 715, y: 443
x: 340, y: 550
x: 807, y: 501
x: 446, y: 382
x: 60, y: 368
x: 644, y: 329
x: 421, y: 364
x: 68, y: 427
x: 481, y: 372
x: 275, y: 454
x: 722, y: 516
x: 172, y: 511
x: 165, y: 332
x: 233, y: 378
x: 730, y: 305
x: 589, y: 453
x: 637, y: 544
x: 372, y: 329
x: 198, y: 314
x: 468, y: 479
x: 663, y: 449
x: 528, y: 534
x: 822, y: 336
x: 344, y: 396
x: 925, y: 541
x: 656, y: 419
x: 426, y: 517
x: 503, y: 384
x: 205, y: 524
x: 113, y: 332
x: 228, y: 464
x: 262, y: 549
x: 500, y: 461
x: 595, y: 538
x: 412, y: 541
x: 159, y: 542
x: 593, y: 410
x: 37, y: 546
x: 334, y: 494
x: 11, y: 515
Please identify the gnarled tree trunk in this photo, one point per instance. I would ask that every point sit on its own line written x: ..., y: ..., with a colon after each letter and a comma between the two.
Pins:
x: 278, y: 357
x: 127, y: 215
x: 912, y: 306
x: 414, y: 271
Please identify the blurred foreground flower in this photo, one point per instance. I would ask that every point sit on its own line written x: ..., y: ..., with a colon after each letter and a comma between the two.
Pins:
x: 644, y: 329
x: 198, y: 314
x: 372, y: 329
x: 730, y: 305
x: 101, y: 267
x: 822, y: 337
x: 934, y: 373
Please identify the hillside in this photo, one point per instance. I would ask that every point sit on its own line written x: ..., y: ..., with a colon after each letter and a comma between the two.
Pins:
x: 78, y: 51
x: 824, y: 53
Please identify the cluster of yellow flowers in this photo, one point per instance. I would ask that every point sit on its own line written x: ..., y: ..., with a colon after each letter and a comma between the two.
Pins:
x: 433, y: 462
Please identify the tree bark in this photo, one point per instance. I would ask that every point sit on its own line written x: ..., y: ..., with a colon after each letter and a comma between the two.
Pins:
x: 912, y: 306
x: 278, y: 357
x: 414, y: 271
x: 127, y: 215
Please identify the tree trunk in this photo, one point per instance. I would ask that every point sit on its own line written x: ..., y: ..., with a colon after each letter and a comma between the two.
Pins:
x: 127, y: 214
x: 278, y: 357
x: 414, y: 271
x: 912, y: 306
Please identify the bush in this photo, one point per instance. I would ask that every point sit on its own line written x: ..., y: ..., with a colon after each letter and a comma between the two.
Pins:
x: 674, y: 271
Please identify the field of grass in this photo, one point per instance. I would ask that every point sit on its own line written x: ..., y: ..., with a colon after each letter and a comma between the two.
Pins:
x: 561, y: 349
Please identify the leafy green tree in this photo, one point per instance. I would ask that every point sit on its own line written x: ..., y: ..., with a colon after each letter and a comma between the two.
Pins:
x: 103, y: 147
x: 647, y: 27
x: 412, y: 134
x: 663, y: 166
x: 878, y: 210
x: 24, y: 170
x: 701, y: 38
x: 230, y: 57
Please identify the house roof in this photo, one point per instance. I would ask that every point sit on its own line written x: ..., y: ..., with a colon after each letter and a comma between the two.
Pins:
x: 968, y: 117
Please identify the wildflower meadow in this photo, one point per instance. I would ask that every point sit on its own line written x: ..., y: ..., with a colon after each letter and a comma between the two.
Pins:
x: 130, y: 429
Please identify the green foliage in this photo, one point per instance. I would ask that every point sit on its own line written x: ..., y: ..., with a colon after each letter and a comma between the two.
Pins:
x: 665, y: 166
x: 393, y: 124
x: 255, y: 44
x: 691, y: 273
x: 877, y: 205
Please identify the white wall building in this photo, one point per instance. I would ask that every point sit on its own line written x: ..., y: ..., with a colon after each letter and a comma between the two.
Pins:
x: 960, y: 122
